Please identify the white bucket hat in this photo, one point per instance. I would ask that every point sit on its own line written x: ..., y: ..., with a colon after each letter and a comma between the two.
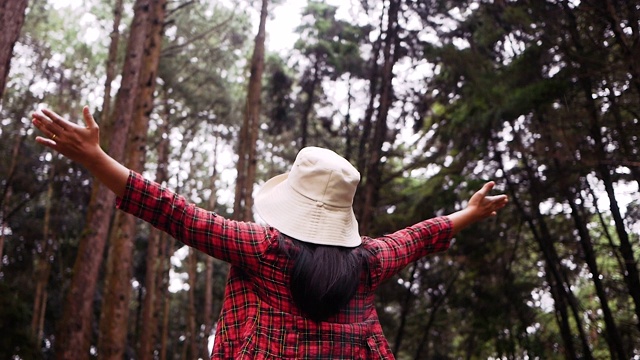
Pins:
x: 313, y: 202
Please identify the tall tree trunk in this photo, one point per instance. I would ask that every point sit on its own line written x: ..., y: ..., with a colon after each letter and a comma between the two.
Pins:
x: 558, y: 277
x: 164, y: 338
x: 191, y: 343
x: 437, y: 302
x: 374, y: 166
x: 605, y: 229
x: 208, y: 274
x: 624, y: 134
x: 149, y: 320
x: 308, y: 106
x: 243, y: 203
x: 74, y: 333
x: 365, y: 136
x: 347, y: 123
x: 164, y: 279
x: 560, y: 311
x: 6, y: 190
x: 558, y: 272
x: 611, y: 331
x: 207, y: 312
x: 544, y: 237
x: 632, y: 275
x: 612, y: 336
x: 404, y: 310
x: 12, y: 13
x: 112, y: 60
x: 556, y: 287
x: 115, y: 310
x: 630, y: 44
x: 42, y: 267
x: 362, y: 157
x: 150, y: 310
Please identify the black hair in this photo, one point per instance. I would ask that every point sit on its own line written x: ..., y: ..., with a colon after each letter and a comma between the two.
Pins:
x: 323, y: 278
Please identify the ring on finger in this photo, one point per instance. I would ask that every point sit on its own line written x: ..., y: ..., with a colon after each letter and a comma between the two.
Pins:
x: 53, y: 137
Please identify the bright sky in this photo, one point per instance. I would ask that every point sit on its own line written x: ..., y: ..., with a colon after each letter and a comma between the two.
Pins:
x: 280, y: 29
x: 285, y: 17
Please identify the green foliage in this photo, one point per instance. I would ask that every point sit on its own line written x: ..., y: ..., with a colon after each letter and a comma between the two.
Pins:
x: 277, y: 101
x: 539, y: 97
x: 202, y: 40
x: 329, y: 49
x: 15, y: 317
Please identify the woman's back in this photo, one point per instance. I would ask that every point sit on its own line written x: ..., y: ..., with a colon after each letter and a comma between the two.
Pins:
x: 260, y: 317
x: 260, y: 320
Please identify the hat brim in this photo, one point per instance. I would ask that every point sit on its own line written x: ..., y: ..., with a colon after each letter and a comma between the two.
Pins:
x: 304, y: 219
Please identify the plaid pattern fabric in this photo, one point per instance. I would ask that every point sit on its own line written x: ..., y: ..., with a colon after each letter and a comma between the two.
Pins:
x: 259, y: 320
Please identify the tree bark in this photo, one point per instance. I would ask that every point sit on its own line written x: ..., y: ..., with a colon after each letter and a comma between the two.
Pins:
x: 308, y: 106
x: 629, y: 44
x: 74, y: 334
x: 6, y: 191
x: 374, y: 76
x: 208, y: 280
x: 631, y: 275
x: 605, y: 229
x: 247, y: 161
x: 115, y: 312
x: 150, y: 310
x: 612, y: 335
x: 164, y: 338
x: 404, y: 310
x: 12, y: 13
x: 560, y: 312
x: 207, y: 313
x: 42, y: 266
x: 556, y: 287
x: 347, y: 124
x: 558, y: 273
x: 191, y: 346
x: 112, y: 60
x: 424, y: 342
x: 374, y: 165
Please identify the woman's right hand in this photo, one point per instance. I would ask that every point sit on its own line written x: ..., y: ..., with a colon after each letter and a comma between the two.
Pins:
x: 78, y: 143
x: 484, y: 205
x: 82, y: 145
x: 480, y: 206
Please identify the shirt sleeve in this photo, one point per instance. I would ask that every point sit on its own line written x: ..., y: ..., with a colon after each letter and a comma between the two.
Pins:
x: 239, y: 243
x: 395, y: 251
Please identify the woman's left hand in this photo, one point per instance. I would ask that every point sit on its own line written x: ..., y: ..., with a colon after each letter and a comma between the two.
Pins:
x: 78, y: 143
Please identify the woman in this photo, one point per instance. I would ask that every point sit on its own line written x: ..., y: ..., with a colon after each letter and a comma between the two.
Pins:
x: 301, y: 287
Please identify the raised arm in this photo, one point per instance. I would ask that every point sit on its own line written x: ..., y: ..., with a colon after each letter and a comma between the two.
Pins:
x: 395, y: 251
x: 82, y: 145
x: 481, y: 206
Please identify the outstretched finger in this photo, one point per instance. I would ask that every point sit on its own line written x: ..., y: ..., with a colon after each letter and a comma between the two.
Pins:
x: 46, y: 141
x: 57, y: 119
x: 486, y: 188
x: 497, y: 198
x: 42, y: 123
x: 88, y: 118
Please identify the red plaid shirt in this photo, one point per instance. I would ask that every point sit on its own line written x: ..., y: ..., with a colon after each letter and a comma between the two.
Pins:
x: 259, y: 319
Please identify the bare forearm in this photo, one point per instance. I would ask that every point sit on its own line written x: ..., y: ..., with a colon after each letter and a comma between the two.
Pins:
x: 109, y: 172
x: 462, y: 219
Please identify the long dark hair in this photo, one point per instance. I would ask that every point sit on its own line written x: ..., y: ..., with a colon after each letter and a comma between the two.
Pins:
x: 323, y: 278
